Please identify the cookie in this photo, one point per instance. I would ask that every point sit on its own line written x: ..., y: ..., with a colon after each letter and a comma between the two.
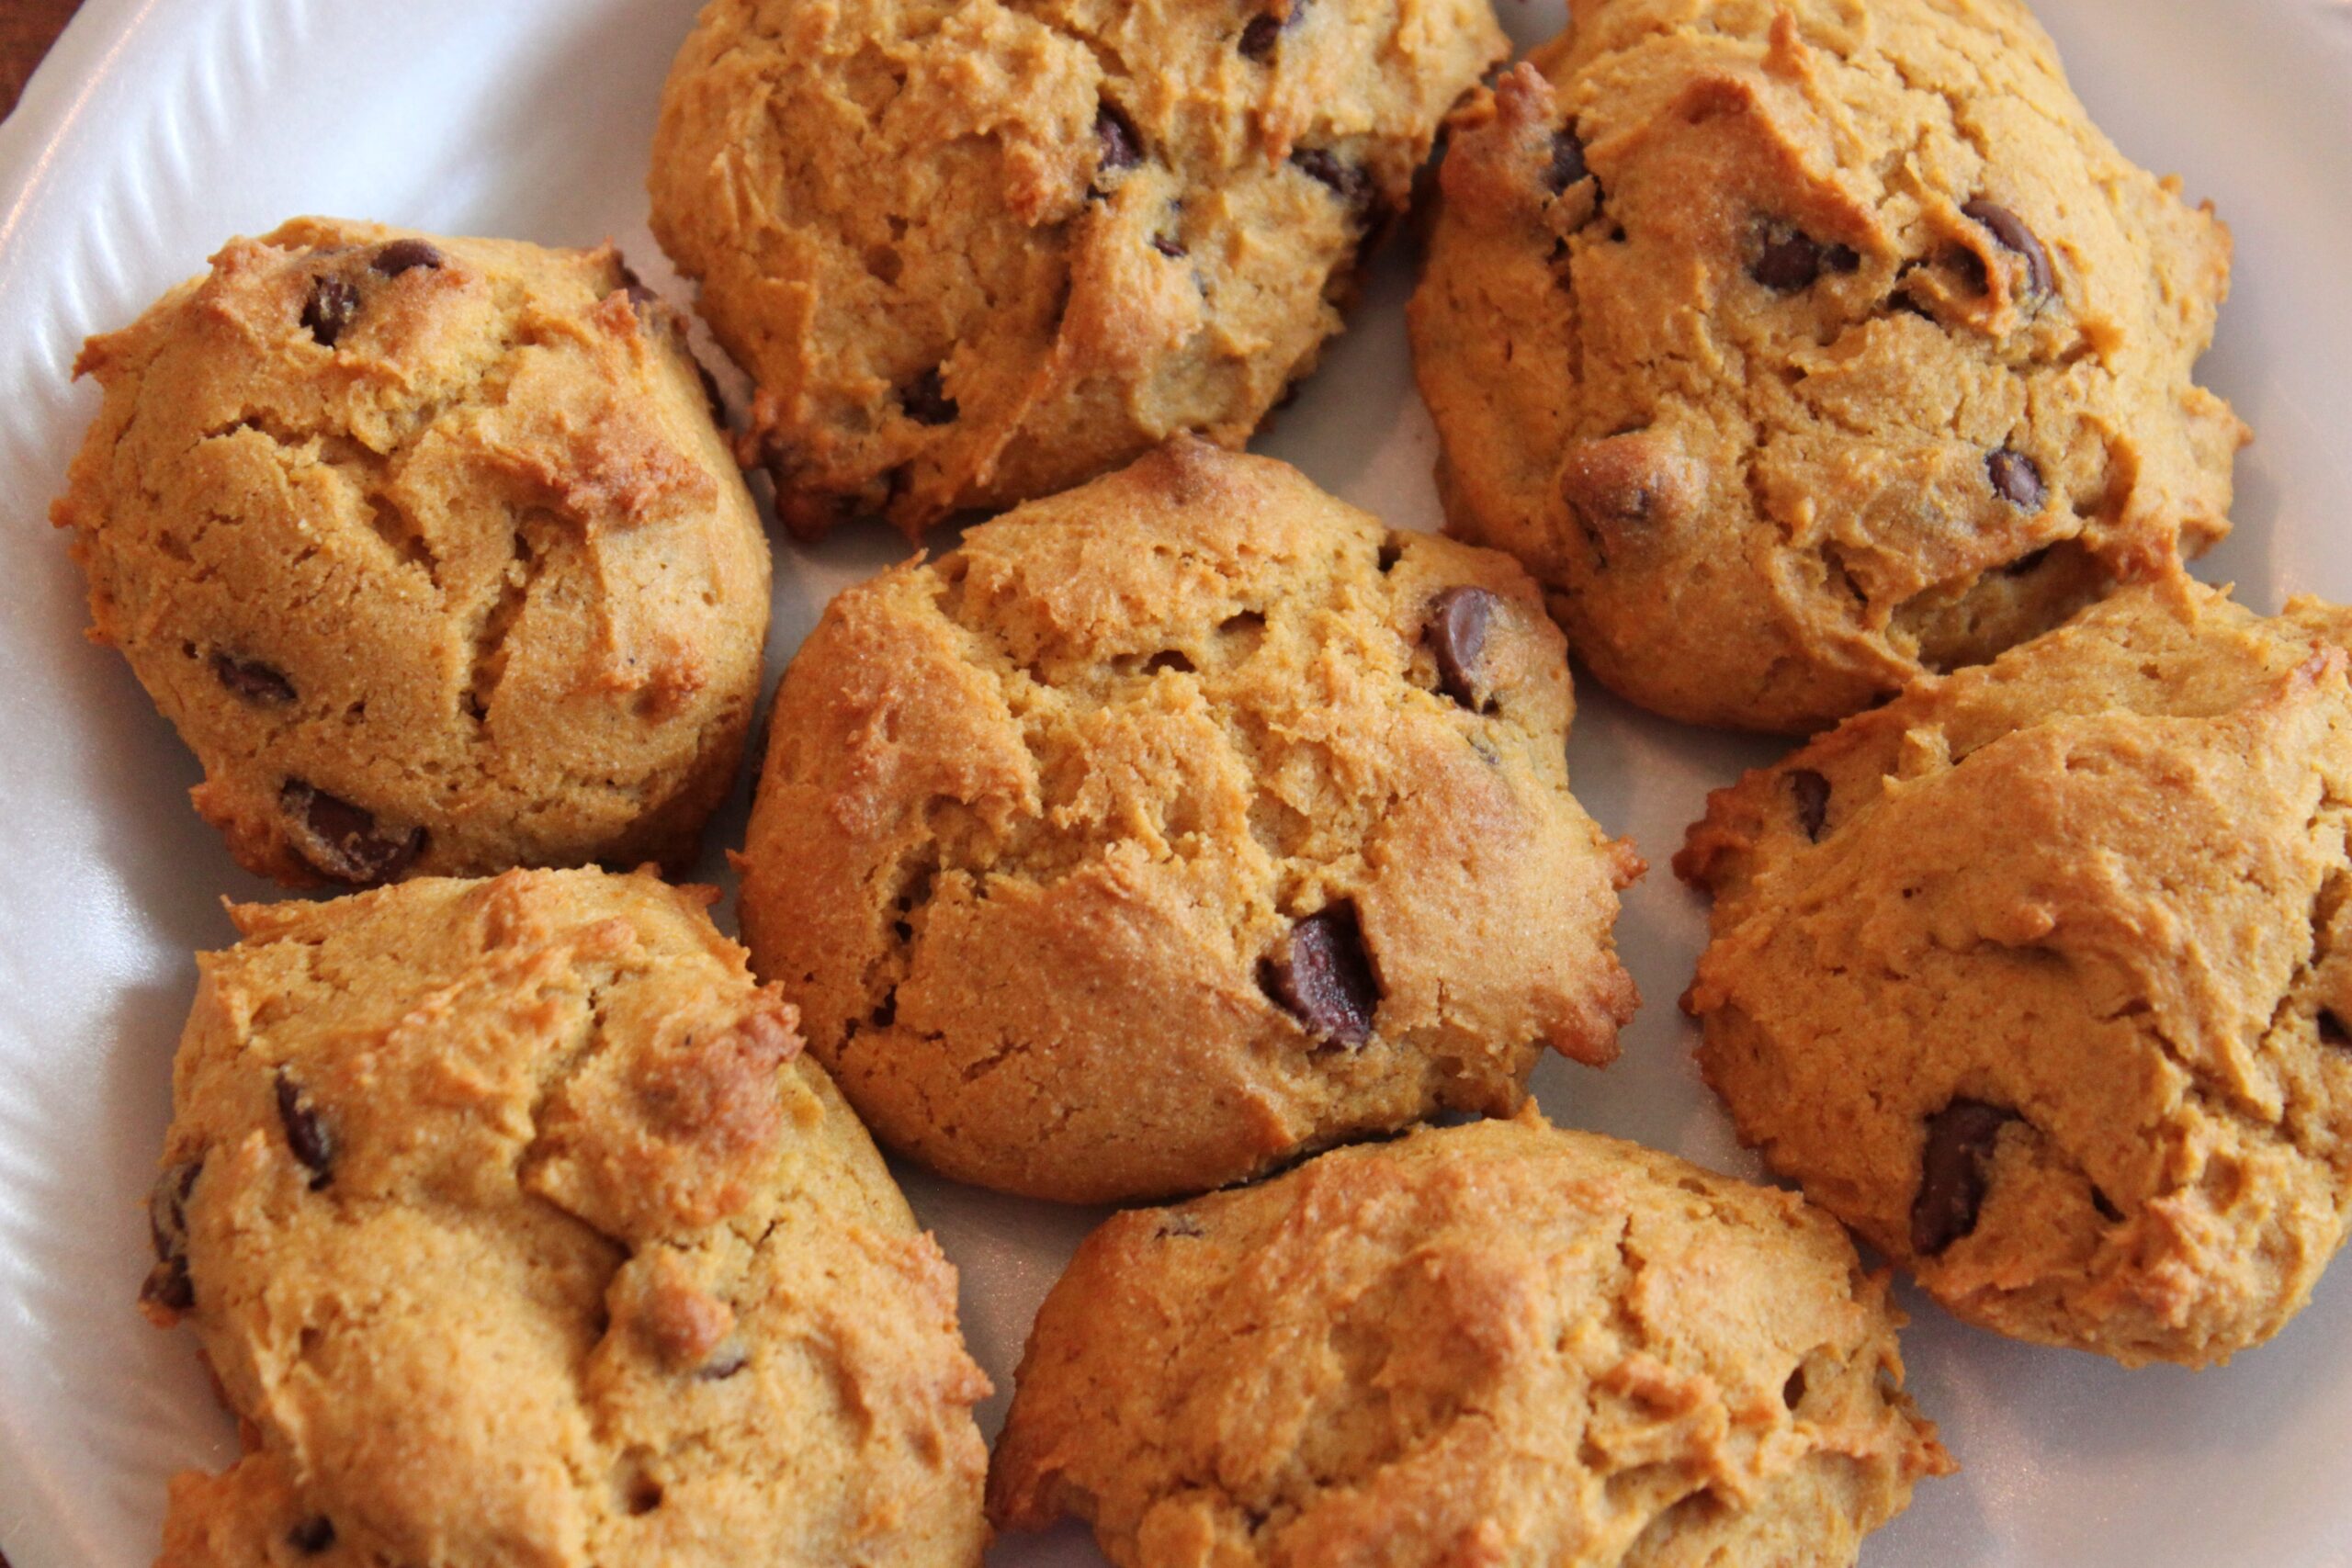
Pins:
x: 516, y: 1228
x: 1174, y: 825
x: 2039, y: 977
x: 430, y: 550
x: 1801, y: 349
x: 1502, y: 1343
x: 975, y: 253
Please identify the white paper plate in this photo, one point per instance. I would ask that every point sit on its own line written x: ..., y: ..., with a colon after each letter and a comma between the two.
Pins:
x: 159, y: 127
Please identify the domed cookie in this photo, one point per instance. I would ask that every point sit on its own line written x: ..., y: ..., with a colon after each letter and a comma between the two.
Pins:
x: 974, y: 253
x: 2038, y: 976
x: 1501, y: 1342
x: 430, y: 550
x: 1175, y: 826
x: 516, y: 1229
x: 1801, y: 349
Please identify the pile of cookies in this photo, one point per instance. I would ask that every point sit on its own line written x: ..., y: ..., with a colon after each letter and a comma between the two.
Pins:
x: 1185, y: 837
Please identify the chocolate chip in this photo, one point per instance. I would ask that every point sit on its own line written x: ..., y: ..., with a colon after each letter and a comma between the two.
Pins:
x: 1954, y: 1171
x: 2009, y: 229
x: 402, y: 254
x: 330, y: 309
x: 1457, y: 638
x: 307, y: 1135
x: 1168, y: 247
x: 1115, y: 134
x: 926, y: 400
x: 312, y: 1536
x: 1258, y: 38
x: 1567, y: 165
x: 168, y: 1285
x: 1323, y: 976
x: 1791, y: 260
x: 255, y: 681
x: 344, y: 842
x: 2016, y: 479
x: 1350, y: 184
x: 1810, y: 792
x: 2331, y: 1030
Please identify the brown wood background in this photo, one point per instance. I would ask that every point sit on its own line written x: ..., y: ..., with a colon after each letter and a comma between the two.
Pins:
x: 26, y: 29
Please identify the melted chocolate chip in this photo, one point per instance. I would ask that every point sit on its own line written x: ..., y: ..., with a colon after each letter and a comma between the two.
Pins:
x: 926, y: 400
x: 1954, y: 1172
x: 1258, y: 40
x: 343, y: 840
x: 2008, y: 229
x: 254, y: 681
x: 2016, y: 479
x: 1791, y: 260
x: 1567, y: 165
x: 402, y: 254
x: 168, y: 1285
x: 308, y: 1136
x: 1810, y: 792
x: 1115, y: 134
x: 1324, y: 978
x: 1350, y: 184
x: 312, y: 1536
x: 1457, y: 637
x: 330, y: 310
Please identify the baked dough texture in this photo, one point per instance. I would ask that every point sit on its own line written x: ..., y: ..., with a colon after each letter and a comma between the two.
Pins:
x: 1495, y: 1344
x: 2040, y: 977
x: 517, y: 1230
x: 1803, y: 347
x: 973, y: 252
x: 1177, y: 825
x: 430, y: 550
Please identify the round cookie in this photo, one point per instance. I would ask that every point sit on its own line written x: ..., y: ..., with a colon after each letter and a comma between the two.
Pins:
x: 516, y: 1229
x: 1501, y: 1342
x: 1801, y: 349
x: 431, y: 551
x: 2039, y: 977
x: 976, y: 253
x: 1174, y: 825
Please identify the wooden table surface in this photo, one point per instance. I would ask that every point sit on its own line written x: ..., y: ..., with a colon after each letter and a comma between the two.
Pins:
x: 26, y: 29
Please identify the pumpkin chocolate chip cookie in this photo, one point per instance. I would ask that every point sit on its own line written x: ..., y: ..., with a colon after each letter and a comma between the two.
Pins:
x: 973, y: 253
x: 430, y: 549
x: 517, y: 1229
x: 1801, y: 349
x: 2039, y: 976
x: 1178, y: 825
x: 1499, y: 1344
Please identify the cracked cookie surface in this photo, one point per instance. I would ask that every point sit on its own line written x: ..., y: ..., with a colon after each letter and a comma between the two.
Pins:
x: 1495, y: 1344
x: 430, y: 550
x: 1176, y: 824
x: 975, y: 253
x: 2039, y: 977
x: 516, y: 1229
x: 1802, y: 348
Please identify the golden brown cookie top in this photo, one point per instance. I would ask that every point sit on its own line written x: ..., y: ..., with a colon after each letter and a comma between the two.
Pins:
x: 1799, y: 349
x: 973, y: 253
x: 1177, y: 824
x: 516, y: 1227
x: 1496, y: 1343
x: 2032, y: 975
x: 430, y: 549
